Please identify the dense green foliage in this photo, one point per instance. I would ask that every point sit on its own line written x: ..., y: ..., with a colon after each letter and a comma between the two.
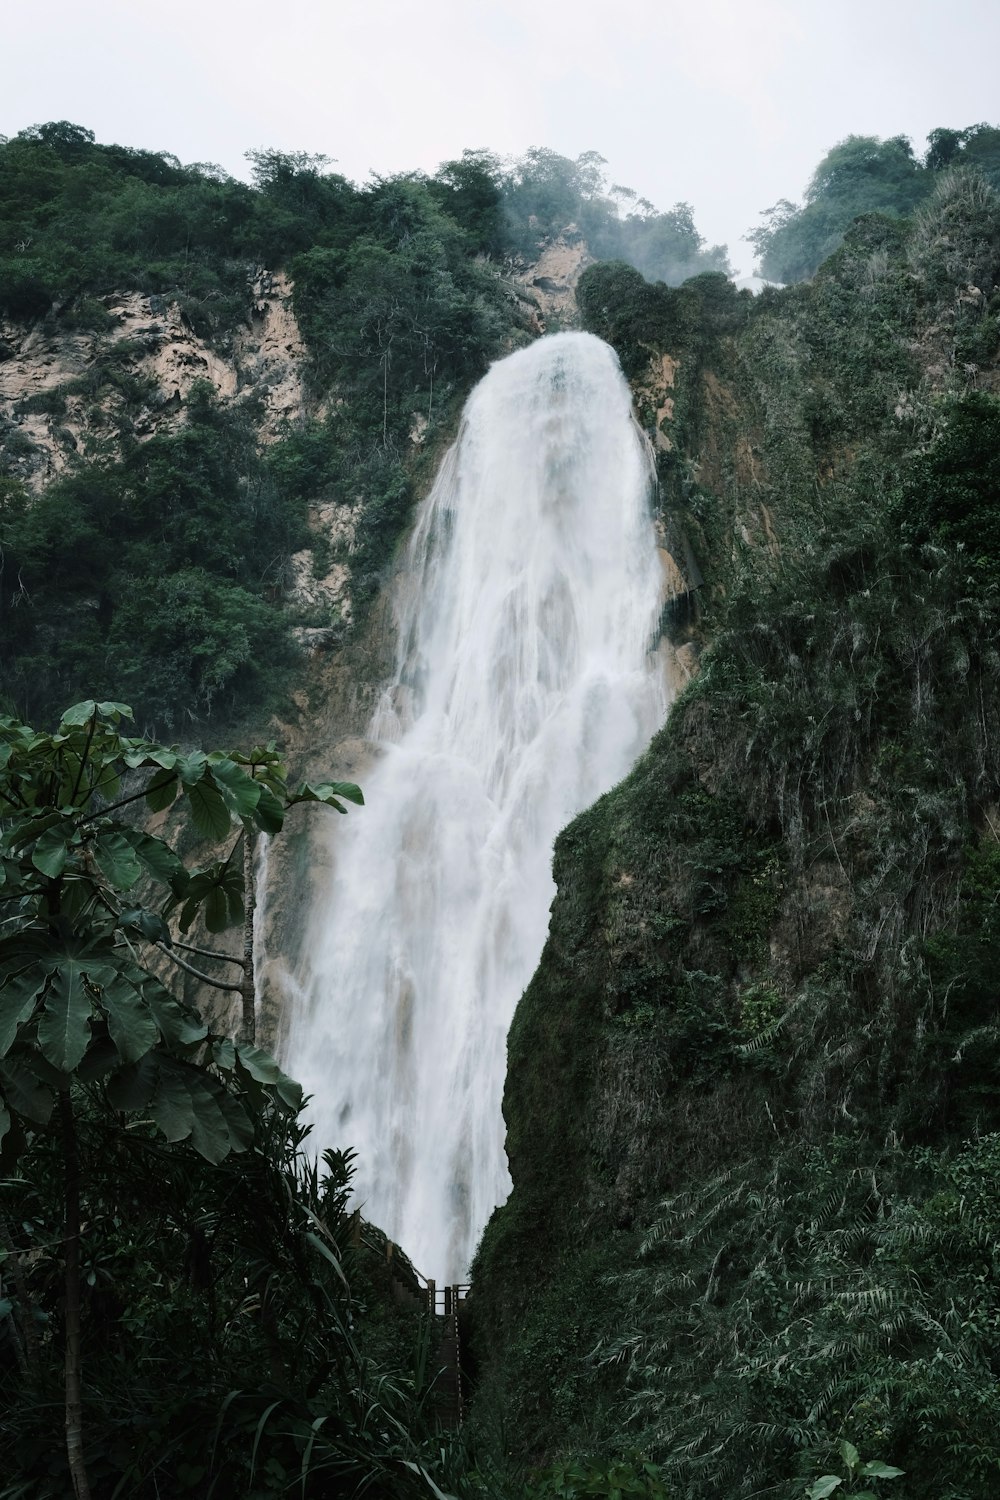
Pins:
x: 752, y: 1093
x: 157, y: 569
x: 864, y: 175
x: 203, y: 1337
x: 153, y: 573
x: 79, y: 217
x: 226, y: 1325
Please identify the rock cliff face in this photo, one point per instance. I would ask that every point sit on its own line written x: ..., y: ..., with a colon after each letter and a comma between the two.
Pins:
x: 751, y: 934
x: 552, y: 280
x: 147, y: 341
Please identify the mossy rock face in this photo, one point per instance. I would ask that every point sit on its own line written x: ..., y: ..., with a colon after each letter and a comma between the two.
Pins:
x: 761, y: 1034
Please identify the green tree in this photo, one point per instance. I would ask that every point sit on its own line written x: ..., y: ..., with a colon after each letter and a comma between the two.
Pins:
x: 80, y: 1003
x: 860, y: 175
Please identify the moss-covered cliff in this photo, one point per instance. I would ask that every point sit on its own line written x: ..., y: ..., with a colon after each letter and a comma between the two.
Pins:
x: 751, y: 1096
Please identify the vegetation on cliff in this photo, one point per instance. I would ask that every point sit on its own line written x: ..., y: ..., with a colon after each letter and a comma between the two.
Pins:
x: 862, y: 175
x: 159, y: 568
x: 173, y: 1269
x: 751, y: 1100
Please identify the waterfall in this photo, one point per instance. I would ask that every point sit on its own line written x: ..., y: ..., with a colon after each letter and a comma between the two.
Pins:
x: 526, y: 684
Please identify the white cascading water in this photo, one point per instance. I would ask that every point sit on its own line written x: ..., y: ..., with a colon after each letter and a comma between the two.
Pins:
x: 527, y: 682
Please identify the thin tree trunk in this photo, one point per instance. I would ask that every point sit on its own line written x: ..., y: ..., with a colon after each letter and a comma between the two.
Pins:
x: 74, y: 1405
x: 248, y: 989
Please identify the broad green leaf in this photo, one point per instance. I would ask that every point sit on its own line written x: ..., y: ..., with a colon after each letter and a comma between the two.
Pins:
x: 26, y: 1094
x: 108, y: 783
x: 64, y: 1027
x: 269, y: 814
x: 238, y: 1125
x: 188, y: 913
x: 259, y: 1064
x: 186, y: 1103
x: 132, y: 1027
x: 115, y: 711
x: 224, y: 1053
x: 209, y: 1129
x: 170, y: 1105
x: 875, y: 1469
x: 262, y: 1068
x: 218, y: 889
x: 347, y: 789
x: 159, y: 755
x: 162, y: 790
x: 149, y: 923
x: 131, y: 1088
x: 157, y: 857
x: 18, y: 950
x: 290, y: 1092
x: 849, y: 1454
x: 260, y: 755
x: 72, y: 771
x: 100, y: 1059
x: 78, y: 714
x: 52, y: 850
x: 823, y: 1487
x: 191, y: 768
x: 33, y: 828
x: 180, y: 1026
x: 216, y: 910
x: 329, y: 793
x: 240, y: 791
x: 116, y: 858
x: 208, y: 811
x: 17, y: 1001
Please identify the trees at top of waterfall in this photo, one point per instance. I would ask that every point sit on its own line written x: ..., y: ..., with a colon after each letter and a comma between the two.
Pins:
x: 402, y: 314
x: 470, y: 190
x: 83, y: 217
x: 976, y: 146
x: 300, y: 204
x: 665, y: 246
x: 860, y: 175
x: 544, y: 193
x: 82, y: 1013
x: 632, y: 314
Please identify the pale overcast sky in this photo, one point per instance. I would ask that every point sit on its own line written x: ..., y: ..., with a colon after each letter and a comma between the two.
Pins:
x: 726, y: 105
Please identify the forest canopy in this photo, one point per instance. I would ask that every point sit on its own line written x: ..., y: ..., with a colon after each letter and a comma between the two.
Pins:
x: 861, y: 175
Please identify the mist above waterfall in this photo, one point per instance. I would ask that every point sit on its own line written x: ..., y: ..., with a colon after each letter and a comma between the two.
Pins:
x: 527, y: 681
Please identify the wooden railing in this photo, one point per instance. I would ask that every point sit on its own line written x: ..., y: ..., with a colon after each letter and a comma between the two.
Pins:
x: 443, y: 1303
